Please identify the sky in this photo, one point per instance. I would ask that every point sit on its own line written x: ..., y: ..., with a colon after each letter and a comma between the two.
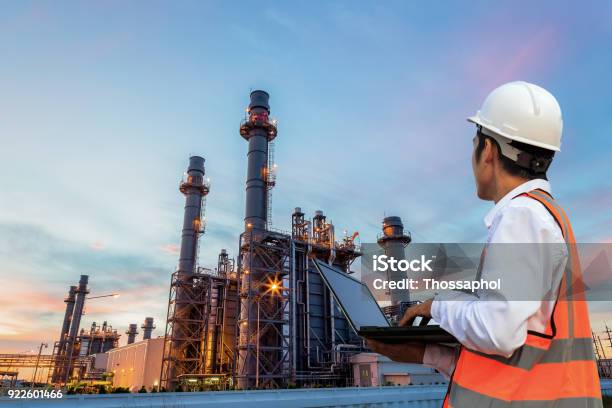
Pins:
x: 103, y: 102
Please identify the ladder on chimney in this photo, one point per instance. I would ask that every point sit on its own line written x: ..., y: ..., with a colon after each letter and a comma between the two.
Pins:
x: 270, y: 183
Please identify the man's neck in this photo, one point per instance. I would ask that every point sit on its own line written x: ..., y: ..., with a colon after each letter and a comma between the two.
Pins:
x: 505, y: 185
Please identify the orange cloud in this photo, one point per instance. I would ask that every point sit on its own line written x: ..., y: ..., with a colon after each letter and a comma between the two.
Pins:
x: 171, y: 249
x: 97, y: 246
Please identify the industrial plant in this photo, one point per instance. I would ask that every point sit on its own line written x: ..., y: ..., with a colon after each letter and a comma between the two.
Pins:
x: 261, y: 319
x: 266, y: 320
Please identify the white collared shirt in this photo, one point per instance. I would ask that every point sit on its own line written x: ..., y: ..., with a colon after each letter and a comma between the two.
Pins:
x: 500, y: 326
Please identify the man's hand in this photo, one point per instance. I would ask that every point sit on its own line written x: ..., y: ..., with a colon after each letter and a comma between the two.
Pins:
x: 403, y: 353
x: 422, y: 309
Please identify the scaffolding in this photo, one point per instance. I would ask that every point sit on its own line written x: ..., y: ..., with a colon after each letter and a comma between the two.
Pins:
x: 99, y: 339
x: 323, y: 339
x: 208, y: 307
x: 263, y: 331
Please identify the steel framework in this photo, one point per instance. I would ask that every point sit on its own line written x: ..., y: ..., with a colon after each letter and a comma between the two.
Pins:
x: 205, y: 313
x: 184, y: 328
x: 264, y: 332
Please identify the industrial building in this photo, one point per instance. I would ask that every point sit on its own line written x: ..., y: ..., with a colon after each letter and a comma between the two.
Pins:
x: 262, y: 319
x: 136, y: 365
x: 375, y: 370
x: 64, y: 348
x: 266, y: 320
x: 80, y: 354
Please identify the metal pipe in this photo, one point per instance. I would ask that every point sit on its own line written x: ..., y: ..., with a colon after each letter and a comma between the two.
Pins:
x: 37, y: 363
x: 293, y: 311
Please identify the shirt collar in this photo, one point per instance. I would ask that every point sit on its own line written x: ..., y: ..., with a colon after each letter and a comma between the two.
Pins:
x: 523, y: 188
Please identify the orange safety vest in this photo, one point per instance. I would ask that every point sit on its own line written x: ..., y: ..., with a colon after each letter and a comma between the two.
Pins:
x: 556, y: 368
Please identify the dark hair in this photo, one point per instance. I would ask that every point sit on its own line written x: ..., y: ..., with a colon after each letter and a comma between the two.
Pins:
x: 511, y: 166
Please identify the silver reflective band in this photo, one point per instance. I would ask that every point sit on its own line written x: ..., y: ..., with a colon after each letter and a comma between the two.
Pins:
x: 560, y: 350
x: 463, y: 398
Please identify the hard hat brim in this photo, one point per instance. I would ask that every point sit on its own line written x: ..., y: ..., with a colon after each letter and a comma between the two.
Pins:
x: 476, y: 120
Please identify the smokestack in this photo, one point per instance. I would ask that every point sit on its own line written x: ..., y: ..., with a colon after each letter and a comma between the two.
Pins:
x: 70, y: 299
x: 179, y: 356
x: 147, y: 328
x: 194, y: 188
x: 79, y: 305
x: 132, y: 331
x: 61, y: 348
x: 299, y: 225
x: 258, y: 130
x: 223, y: 263
x: 393, y: 241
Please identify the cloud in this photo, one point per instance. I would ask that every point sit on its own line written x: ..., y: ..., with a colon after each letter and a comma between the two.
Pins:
x: 171, y: 249
x: 97, y: 246
x: 32, y: 306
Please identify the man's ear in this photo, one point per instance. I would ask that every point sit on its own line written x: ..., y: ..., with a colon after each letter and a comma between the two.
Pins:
x: 489, y: 151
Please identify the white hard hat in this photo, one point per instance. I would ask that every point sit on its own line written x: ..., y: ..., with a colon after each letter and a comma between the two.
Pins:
x: 523, y: 112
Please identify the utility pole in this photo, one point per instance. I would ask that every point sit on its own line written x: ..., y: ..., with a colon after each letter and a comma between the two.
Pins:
x: 608, y: 333
x: 603, y: 352
x: 45, y: 345
x: 595, y: 346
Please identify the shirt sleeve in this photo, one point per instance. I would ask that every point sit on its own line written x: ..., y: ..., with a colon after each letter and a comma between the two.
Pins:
x: 495, y: 321
x: 441, y: 358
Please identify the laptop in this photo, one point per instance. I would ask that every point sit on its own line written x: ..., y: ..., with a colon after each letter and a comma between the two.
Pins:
x: 365, y: 316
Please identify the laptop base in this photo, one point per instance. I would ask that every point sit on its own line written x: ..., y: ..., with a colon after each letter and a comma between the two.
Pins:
x: 410, y: 334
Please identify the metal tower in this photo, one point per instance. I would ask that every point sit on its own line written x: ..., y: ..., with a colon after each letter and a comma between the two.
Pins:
x: 147, y: 328
x: 323, y: 340
x: 393, y: 241
x: 60, y: 347
x: 185, y: 322
x: 75, y: 323
x: 264, y: 333
x: 132, y: 331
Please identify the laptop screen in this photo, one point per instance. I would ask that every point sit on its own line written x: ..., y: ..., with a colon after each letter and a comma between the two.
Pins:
x: 354, y: 297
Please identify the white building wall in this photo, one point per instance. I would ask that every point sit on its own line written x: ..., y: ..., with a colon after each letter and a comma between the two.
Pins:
x: 136, y: 364
x: 384, y: 371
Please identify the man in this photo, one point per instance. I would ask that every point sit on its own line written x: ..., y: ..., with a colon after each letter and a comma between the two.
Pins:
x: 533, y: 351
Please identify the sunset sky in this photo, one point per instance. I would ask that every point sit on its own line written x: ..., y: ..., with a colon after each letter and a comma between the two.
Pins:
x: 101, y: 104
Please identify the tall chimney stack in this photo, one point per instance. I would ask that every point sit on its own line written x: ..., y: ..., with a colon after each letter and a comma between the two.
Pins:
x: 132, y: 331
x: 393, y: 241
x: 258, y: 130
x: 61, y: 348
x: 195, y: 189
x: 147, y: 328
x: 179, y: 358
x: 79, y: 305
x: 255, y: 332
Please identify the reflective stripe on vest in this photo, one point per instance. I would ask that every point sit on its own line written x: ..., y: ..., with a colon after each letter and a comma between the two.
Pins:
x: 556, y: 368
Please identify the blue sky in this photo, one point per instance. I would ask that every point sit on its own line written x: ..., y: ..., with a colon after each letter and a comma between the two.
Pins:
x: 101, y: 104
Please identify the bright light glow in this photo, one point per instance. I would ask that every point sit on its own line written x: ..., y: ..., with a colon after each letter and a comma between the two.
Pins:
x: 274, y: 286
x: 116, y: 295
